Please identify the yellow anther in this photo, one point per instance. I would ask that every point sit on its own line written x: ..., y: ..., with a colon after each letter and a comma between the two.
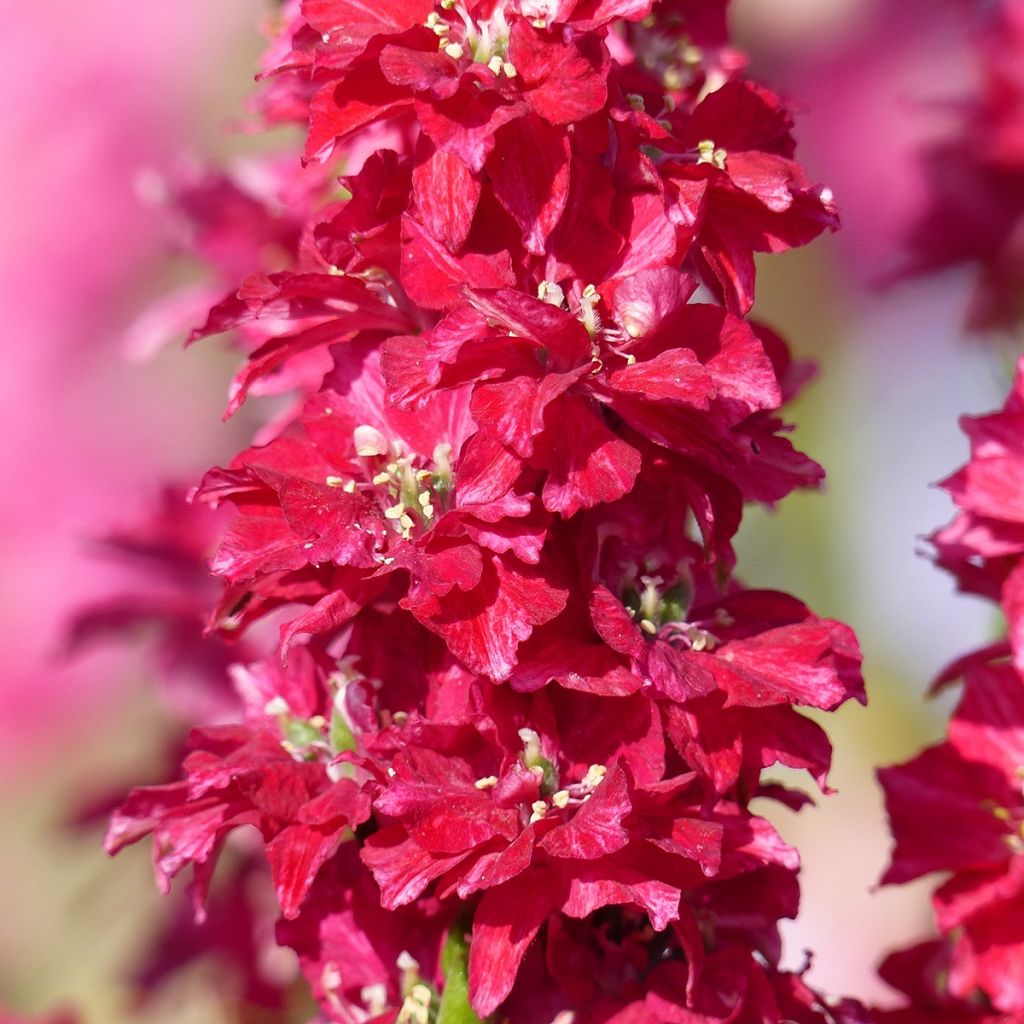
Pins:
x: 454, y: 50
x: 539, y: 809
x: 708, y: 154
x: 539, y: 23
x: 495, y: 65
x: 375, y: 998
x: 548, y: 291
x: 350, y: 487
x: 487, y: 782
x: 672, y: 79
x: 594, y: 777
x: 416, y: 1007
x: 648, y: 627
x: 561, y: 799
x: 335, y: 481
x: 509, y: 69
x: 395, y: 512
x: 406, y: 522
x: 381, y: 478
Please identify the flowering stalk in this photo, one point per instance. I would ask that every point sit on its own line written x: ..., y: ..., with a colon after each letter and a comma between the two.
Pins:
x: 958, y: 806
x: 502, y: 753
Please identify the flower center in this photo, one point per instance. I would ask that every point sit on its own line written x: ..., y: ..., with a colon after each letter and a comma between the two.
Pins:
x: 409, y: 494
x: 481, y: 40
x: 653, y: 605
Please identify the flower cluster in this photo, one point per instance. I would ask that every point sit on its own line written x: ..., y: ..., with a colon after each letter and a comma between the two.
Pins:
x: 975, y: 176
x: 502, y: 754
x: 959, y: 806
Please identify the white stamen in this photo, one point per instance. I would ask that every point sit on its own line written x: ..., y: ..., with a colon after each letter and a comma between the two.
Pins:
x: 369, y: 441
x: 374, y: 997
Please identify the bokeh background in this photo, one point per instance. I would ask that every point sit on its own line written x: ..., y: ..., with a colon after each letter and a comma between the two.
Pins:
x: 104, y: 98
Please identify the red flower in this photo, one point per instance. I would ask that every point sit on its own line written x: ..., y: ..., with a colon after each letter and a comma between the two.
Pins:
x: 239, y: 777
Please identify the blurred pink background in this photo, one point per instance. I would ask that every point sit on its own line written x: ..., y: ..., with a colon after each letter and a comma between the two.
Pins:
x: 99, y: 94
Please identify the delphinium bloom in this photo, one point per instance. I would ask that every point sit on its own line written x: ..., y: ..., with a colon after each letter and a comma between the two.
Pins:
x: 502, y: 753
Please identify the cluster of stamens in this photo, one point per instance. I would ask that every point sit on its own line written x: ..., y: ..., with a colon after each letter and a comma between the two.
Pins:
x: 460, y: 35
x: 674, y: 59
x: 662, y: 612
x: 709, y: 153
x: 604, y: 337
x: 554, y: 795
x: 414, y: 494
